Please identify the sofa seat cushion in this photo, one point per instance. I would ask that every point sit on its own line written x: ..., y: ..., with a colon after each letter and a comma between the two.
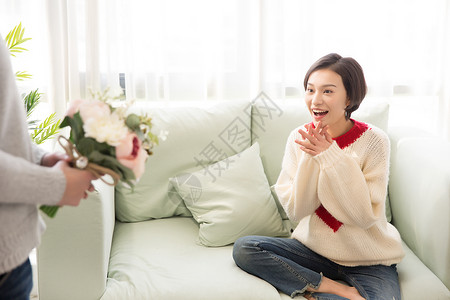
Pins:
x: 160, y: 259
x: 417, y: 281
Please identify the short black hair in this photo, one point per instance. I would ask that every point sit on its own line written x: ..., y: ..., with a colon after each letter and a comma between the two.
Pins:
x: 352, y: 76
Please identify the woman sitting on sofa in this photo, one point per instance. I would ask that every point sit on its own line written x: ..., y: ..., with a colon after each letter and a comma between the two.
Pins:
x: 333, y: 183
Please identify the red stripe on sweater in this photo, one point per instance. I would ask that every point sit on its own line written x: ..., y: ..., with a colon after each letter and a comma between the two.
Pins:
x: 325, y: 216
x: 350, y: 136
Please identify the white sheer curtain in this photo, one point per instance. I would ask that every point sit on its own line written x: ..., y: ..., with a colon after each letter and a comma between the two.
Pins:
x: 402, y: 45
x: 164, y: 50
x: 34, y: 61
x: 157, y: 50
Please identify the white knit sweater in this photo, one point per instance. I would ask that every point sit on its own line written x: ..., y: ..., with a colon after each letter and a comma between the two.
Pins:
x: 338, y: 198
x: 23, y: 183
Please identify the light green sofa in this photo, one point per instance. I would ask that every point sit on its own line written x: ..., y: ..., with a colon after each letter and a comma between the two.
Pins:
x: 118, y: 245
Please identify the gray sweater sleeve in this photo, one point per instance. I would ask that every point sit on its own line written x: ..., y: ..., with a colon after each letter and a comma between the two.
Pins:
x: 38, y: 153
x: 22, y: 179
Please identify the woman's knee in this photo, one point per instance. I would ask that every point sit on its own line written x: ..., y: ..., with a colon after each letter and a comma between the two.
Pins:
x: 240, y: 250
x: 243, y: 249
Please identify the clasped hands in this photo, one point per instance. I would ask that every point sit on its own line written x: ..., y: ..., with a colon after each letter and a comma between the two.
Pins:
x: 315, y: 140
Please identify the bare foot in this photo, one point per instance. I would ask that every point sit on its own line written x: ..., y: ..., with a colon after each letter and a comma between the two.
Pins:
x: 333, y: 287
x: 354, y: 294
x: 308, y: 296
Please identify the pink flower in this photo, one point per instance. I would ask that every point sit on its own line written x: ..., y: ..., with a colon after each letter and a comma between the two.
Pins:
x: 74, y: 107
x: 94, y: 109
x: 131, y: 154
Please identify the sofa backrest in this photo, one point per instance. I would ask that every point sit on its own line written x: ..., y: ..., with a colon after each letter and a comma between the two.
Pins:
x: 199, y: 133
x: 202, y: 133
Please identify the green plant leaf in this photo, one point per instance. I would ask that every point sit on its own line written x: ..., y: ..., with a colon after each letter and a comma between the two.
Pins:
x: 31, y: 100
x: 14, y: 38
x: 32, y: 125
x: 22, y: 75
x: 49, y: 132
x: 46, y: 130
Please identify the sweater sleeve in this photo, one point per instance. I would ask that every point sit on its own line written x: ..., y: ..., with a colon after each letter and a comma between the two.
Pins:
x: 296, y: 185
x: 353, y: 189
x: 38, y: 153
x: 22, y: 181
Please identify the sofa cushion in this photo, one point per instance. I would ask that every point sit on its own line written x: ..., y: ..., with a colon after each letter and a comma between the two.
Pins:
x: 272, y: 122
x: 160, y: 259
x: 198, y: 134
x: 417, y: 281
x: 234, y: 203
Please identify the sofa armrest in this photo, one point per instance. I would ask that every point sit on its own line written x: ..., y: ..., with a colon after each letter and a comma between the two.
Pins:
x: 73, y: 257
x: 419, y: 191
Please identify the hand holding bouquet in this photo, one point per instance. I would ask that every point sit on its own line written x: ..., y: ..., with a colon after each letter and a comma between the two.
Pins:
x: 106, y: 140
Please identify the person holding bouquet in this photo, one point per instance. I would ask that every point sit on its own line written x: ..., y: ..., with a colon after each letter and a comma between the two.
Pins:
x: 333, y: 184
x: 29, y: 177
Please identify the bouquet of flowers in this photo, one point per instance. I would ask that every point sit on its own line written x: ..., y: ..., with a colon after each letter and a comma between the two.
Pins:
x: 106, y: 140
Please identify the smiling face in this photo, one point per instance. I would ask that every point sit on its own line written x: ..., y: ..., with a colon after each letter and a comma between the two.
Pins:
x: 326, y: 99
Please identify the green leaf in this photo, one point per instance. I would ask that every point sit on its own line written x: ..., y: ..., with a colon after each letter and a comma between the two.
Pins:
x: 22, y: 75
x: 46, y: 130
x: 88, y: 145
x: 32, y: 125
x: 133, y: 122
x: 19, y: 49
x: 66, y: 122
x: 49, y: 210
x: 15, y: 38
x: 31, y: 100
x: 76, y: 125
x: 77, y: 128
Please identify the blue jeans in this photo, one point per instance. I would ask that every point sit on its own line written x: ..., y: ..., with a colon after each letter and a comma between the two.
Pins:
x: 17, y: 284
x: 291, y: 267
